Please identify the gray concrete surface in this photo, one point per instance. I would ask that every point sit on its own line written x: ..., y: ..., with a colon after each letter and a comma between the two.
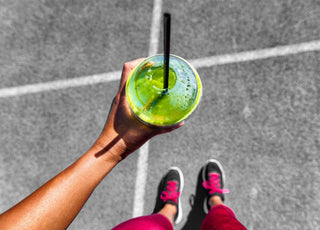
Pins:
x: 260, y: 118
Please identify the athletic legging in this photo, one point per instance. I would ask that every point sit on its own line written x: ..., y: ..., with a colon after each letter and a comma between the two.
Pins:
x: 220, y: 217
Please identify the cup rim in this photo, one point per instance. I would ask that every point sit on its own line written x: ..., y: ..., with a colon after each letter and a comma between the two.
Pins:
x: 196, y: 102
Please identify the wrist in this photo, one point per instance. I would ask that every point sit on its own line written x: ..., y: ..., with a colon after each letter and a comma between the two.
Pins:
x: 100, y: 159
x: 109, y: 146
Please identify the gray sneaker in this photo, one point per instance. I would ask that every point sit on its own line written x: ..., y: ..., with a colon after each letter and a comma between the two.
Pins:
x: 169, y: 191
x: 213, y: 181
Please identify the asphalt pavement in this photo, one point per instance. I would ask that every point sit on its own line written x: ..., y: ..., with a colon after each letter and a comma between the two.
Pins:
x: 260, y: 118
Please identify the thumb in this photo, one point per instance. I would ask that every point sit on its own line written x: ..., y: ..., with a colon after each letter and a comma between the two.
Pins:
x: 171, y: 128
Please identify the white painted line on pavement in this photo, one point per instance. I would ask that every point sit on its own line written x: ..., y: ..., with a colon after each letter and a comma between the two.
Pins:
x: 60, y: 84
x: 142, y: 164
x: 155, y: 27
x: 197, y: 63
x: 256, y: 54
x: 141, y: 179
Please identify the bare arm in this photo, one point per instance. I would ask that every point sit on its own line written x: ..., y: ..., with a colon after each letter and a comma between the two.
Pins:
x: 55, y: 204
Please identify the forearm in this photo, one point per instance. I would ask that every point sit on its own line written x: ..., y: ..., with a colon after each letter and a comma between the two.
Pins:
x: 56, y: 203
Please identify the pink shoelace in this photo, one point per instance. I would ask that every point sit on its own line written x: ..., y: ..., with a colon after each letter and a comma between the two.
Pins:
x: 213, y: 184
x: 170, y: 193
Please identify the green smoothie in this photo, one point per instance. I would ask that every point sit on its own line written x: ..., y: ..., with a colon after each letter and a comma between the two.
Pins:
x: 156, y: 106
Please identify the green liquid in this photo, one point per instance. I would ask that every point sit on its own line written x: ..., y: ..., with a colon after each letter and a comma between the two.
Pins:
x: 151, y: 103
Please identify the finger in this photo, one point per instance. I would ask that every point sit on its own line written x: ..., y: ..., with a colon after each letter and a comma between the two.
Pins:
x: 127, y: 68
x: 171, y: 128
x: 133, y: 63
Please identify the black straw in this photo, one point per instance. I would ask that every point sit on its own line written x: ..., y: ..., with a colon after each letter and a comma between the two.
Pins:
x: 166, y: 47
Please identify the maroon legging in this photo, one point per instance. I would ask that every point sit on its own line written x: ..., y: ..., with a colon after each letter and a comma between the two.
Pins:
x: 219, y: 217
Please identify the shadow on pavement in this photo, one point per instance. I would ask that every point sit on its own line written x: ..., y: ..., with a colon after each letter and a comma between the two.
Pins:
x: 196, y: 215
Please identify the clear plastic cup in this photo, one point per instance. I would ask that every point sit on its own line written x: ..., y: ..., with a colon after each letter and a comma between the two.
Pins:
x: 156, y: 106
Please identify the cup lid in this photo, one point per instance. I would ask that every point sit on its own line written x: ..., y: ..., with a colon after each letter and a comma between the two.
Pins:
x: 151, y: 103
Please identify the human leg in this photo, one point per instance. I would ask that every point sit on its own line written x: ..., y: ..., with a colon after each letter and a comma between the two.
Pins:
x: 219, y: 216
x: 167, y: 211
x: 154, y: 221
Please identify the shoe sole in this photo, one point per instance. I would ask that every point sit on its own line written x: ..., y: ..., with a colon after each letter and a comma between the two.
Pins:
x: 205, y: 206
x: 179, y: 217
